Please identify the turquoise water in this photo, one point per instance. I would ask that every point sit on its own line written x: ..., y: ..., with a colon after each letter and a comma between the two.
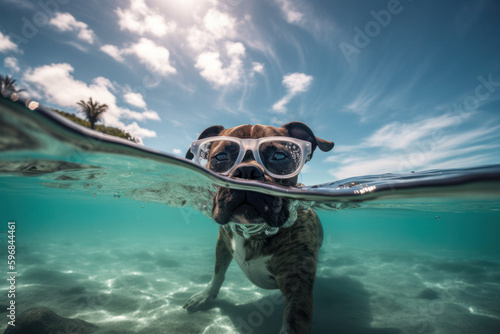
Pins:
x: 121, y: 236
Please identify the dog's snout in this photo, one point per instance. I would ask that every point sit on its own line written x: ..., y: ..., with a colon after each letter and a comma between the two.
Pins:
x: 248, y: 172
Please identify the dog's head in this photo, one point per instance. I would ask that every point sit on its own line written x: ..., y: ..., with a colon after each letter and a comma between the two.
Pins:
x: 246, y: 207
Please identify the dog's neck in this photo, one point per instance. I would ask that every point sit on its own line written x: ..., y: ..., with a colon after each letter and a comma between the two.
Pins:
x: 261, y: 231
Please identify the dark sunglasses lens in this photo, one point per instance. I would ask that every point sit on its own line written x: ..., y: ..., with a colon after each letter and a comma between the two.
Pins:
x: 219, y: 156
x: 280, y: 157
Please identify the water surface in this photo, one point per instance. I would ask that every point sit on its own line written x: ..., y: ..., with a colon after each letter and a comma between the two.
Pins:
x: 120, y: 236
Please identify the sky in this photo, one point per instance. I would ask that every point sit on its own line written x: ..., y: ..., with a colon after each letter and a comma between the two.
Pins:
x: 399, y: 86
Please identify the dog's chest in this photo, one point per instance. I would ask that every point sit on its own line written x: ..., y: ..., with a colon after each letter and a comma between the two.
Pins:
x: 256, y: 268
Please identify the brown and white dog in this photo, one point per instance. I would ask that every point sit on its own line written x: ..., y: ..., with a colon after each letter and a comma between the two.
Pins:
x: 286, y: 260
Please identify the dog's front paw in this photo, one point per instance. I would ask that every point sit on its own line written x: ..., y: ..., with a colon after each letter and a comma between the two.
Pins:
x: 199, y: 300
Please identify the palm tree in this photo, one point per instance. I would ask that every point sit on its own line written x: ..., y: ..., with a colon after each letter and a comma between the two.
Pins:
x: 8, y: 84
x: 93, y: 110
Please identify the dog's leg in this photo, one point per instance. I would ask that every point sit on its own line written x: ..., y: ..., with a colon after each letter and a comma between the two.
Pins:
x: 296, y: 285
x: 223, y: 258
x: 294, y: 267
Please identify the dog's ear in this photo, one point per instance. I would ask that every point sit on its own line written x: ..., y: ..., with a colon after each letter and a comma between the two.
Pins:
x: 208, y: 132
x: 301, y: 131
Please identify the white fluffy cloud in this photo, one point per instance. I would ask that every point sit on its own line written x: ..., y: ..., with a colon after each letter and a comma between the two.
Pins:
x: 295, y: 84
x: 219, y: 58
x: 216, y: 26
x: 212, y: 69
x: 113, y: 51
x: 56, y: 83
x: 6, y: 44
x: 219, y: 24
x: 135, y: 99
x: 257, y: 67
x: 141, y: 19
x: 67, y: 22
x: 153, y: 56
x: 11, y: 62
x: 209, y: 32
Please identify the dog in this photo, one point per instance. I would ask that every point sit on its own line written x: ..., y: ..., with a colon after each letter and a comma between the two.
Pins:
x: 276, y: 247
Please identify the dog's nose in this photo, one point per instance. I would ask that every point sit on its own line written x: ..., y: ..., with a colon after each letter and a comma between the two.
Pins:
x: 248, y: 172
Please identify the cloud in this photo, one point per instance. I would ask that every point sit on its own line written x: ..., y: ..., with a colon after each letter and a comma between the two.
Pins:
x: 257, y: 67
x: 153, y: 56
x: 135, y: 99
x: 302, y: 14
x: 208, y: 35
x: 141, y: 19
x: 361, y: 105
x: 56, y: 83
x: 136, y: 131
x: 212, y: 69
x: 428, y: 143
x: 177, y: 151
x: 295, y: 84
x: 11, y: 62
x: 291, y: 12
x: 216, y: 26
x: 409, y: 134
x: 66, y: 22
x: 24, y: 4
x: 370, y: 93
x: 113, y: 52
x: 6, y: 44
x: 219, y: 56
x: 219, y: 24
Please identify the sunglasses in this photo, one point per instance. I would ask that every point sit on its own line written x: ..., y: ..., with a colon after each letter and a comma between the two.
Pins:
x: 281, y: 157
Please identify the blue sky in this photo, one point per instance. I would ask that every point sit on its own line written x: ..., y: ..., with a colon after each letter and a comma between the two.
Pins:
x: 397, y: 85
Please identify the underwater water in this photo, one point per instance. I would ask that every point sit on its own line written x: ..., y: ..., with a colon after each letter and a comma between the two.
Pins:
x: 120, y: 236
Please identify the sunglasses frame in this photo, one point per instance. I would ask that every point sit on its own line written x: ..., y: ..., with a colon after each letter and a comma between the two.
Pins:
x: 252, y: 144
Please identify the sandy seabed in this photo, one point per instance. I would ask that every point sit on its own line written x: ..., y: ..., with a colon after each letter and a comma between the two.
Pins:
x: 140, y: 287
